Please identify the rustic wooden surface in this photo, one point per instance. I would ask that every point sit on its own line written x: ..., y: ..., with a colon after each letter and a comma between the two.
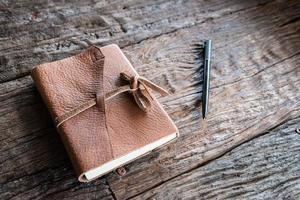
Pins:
x: 255, y: 87
x: 267, y: 167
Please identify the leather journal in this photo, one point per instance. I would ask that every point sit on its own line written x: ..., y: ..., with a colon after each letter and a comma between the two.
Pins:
x: 105, y: 113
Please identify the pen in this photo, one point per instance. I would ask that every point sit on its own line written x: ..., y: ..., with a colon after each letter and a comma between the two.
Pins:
x: 206, y: 73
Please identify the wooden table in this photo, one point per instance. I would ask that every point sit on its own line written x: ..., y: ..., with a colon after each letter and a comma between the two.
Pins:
x: 255, y: 91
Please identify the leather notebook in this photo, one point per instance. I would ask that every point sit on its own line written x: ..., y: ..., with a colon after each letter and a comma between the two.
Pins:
x: 105, y: 113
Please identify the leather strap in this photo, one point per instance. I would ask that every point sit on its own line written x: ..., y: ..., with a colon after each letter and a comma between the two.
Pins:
x: 138, y: 86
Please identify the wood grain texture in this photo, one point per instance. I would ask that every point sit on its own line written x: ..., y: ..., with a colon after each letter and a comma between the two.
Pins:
x: 255, y: 84
x: 33, y: 162
x: 264, y: 168
x: 33, y: 34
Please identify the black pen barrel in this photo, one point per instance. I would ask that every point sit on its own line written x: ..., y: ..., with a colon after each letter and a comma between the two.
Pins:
x: 206, y: 78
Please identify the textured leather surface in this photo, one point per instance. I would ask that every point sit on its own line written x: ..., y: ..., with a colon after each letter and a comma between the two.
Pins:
x: 90, y: 138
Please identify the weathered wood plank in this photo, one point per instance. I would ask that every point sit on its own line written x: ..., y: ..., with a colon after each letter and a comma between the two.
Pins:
x: 33, y: 162
x: 255, y: 80
x: 266, y: 167
x: 33, y: 33
x: 254, y: 87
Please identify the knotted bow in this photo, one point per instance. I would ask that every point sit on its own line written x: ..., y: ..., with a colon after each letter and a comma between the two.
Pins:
x: 138, y: 86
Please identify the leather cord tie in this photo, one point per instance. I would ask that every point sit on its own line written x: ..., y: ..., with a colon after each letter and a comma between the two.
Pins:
x: 138, y: 86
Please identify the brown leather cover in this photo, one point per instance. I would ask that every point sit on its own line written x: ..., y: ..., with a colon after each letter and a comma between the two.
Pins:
x: 90, y: 139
